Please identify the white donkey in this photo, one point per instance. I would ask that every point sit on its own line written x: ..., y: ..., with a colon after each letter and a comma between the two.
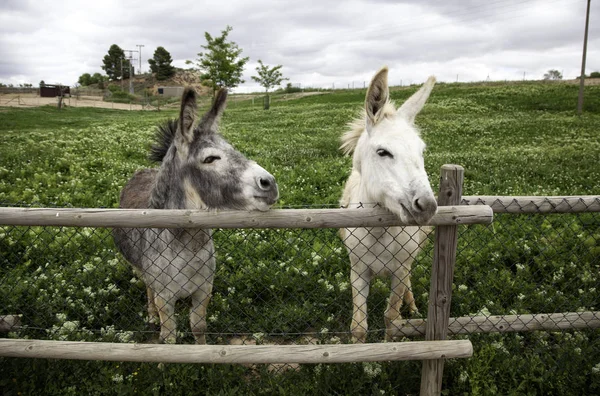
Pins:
x: 387, y: 168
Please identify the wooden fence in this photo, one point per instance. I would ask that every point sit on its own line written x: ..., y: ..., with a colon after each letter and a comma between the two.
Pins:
x: 433, y: 351
x: 436, y: 348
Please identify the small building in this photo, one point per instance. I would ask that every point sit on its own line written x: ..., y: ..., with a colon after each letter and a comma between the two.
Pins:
x: 170, y: 92
x: 52, y: 91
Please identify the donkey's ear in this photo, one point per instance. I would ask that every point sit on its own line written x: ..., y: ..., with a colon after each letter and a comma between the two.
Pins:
x: 415, y: 103
x: 211, y: 118
x: 377, y: 96
x: 187, y: 114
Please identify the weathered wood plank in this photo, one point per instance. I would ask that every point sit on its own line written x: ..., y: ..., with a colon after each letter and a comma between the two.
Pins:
x: 442, y: 275
x: 510, y: 323
x: 524, y: 204
x: 246, y: 354
x: 276, y: 218
x: 9, y: 323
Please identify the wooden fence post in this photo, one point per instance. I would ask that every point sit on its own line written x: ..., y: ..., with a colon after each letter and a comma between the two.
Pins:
x: 442, y: 274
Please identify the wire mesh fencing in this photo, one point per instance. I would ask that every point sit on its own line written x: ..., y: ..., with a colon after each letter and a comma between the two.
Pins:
x: 269, y: 285
x: 524, y: 272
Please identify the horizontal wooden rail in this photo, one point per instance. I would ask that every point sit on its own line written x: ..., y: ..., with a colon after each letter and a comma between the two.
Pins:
x: 510, y: 323
x: 276, y: 218
x: 247, y: 354
x: 550, y: 204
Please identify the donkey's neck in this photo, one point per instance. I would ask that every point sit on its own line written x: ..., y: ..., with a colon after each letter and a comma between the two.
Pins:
x: 167, y: 192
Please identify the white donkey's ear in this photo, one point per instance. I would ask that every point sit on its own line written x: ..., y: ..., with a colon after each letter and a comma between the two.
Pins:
x: 377, y: 96
x: 415, y: 103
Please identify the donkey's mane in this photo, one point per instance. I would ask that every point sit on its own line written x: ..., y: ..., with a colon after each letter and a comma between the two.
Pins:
x: 164, y: 135
x: 357, y: 126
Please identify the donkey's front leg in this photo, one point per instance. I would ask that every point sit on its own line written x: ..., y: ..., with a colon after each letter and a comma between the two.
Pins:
x: 166, y: 312
x: 200, y: 300
x: 360, y: 291
x: 153, y: 318
x: 393, y: 318
x: 409, y: 297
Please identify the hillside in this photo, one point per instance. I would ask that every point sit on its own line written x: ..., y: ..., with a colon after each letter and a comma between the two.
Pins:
x: 182, y: 77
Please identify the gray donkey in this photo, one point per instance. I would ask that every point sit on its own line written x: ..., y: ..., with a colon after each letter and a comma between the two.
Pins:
x: 199, y: 170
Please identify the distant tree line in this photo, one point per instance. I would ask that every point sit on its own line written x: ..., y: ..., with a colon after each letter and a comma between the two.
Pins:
x: 86, y: 79
x: 595, y: 74
x: 220, y: 65
x: 554, y: 74
x: 17, y: 86
x: 117, y: 67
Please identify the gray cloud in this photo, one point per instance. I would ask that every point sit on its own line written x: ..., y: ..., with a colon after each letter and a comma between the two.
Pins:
x: 318, y: 43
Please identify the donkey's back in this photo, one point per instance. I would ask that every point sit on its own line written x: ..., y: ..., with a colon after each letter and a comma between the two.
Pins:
x: 135, y: 195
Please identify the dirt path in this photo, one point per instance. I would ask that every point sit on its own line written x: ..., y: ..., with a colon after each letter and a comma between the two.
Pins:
x: 32, y: 100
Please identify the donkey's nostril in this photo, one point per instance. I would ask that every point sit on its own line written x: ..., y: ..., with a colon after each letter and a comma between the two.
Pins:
x: 264, y: 184
x: 417, y: 205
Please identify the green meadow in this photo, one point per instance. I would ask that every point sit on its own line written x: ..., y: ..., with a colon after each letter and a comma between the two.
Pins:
x: 292, y: 286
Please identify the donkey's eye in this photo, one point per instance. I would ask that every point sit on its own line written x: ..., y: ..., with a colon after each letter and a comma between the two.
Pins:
x: 211, y: 159
x: 384, y: 153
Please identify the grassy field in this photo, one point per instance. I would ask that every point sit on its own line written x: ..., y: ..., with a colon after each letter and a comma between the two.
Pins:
x: 274, y: 285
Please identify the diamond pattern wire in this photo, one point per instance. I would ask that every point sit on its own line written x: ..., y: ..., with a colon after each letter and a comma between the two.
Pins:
x: 282, y: 286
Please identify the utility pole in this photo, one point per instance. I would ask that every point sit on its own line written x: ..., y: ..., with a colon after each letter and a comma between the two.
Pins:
x: 140, y: 55
x: 582, y: 75
x: 131, y: 59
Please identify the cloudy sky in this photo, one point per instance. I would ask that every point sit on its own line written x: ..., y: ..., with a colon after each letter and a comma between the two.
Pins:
x: 325, y: 43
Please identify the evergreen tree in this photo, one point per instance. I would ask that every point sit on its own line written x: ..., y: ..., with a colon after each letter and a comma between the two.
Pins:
x: 112, y: 63
x: 161, y: 64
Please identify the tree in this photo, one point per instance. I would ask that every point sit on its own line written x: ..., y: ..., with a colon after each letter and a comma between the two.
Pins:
x: 220, y: 64
x: 553, y: 75
x: 98, y: 78
x: 161, y: 64
x: 42, y: 83
x: 112, y: 63
x: 595, y: 74
x: 85, y: 79
x: 268, y: 77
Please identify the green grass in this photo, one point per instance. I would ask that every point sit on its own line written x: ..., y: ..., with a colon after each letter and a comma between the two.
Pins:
x: 272, y: 285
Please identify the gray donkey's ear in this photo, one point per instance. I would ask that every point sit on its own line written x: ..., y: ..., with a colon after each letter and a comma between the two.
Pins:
x: 211, y: 118
x: 187, y: 115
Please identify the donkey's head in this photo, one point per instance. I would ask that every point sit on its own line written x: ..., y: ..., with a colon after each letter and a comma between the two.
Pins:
x: 389, y: 156
x: 213, y: 174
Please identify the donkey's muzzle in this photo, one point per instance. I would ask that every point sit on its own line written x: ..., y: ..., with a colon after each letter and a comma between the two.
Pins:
x: 423, y: 208
x: 268, y: 187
